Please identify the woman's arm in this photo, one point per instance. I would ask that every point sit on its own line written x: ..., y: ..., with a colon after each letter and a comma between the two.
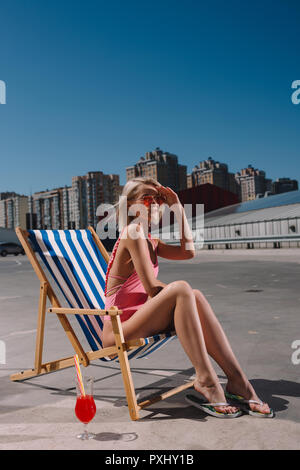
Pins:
x: 139, y: 252
x: 186, y: 249
x: 186, y: 240
x: 157, y: 288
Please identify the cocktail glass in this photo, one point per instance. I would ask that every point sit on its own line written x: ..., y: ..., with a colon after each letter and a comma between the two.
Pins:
x: 85, y: 408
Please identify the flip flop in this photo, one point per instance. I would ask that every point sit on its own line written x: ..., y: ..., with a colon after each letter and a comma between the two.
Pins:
x: 246, y: 408
x: 209, y: 408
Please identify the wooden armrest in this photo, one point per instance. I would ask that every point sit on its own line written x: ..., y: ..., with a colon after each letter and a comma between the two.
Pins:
x: 113, y: 311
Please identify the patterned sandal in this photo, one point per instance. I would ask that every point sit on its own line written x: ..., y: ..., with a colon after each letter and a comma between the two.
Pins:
x: 209, y: 408
x: 246, y: 408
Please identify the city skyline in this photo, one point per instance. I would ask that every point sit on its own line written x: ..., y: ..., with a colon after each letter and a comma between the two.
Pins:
x: 76, y: 206
x: 69, y: 184
x: 93, y: 86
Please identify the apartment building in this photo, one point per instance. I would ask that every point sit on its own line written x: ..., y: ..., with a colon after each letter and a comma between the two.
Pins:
x: 162, y: 166
x: 253, y: 182
x: 215, y: 173
x: 13, y: 212
x: 46, y: 210
x: 73, y: 207
x: 89, y: 191
x: 283, y: 185
x: 7, y: 195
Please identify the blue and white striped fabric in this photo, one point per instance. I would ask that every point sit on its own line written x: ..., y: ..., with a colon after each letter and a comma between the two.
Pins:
x: 78, y: 268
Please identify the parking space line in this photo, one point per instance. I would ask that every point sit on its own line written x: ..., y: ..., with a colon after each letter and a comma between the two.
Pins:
x: 11, y: 297
x: 19, y: 333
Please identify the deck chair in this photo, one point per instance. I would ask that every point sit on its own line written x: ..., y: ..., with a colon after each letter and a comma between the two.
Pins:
x: 77, y: 261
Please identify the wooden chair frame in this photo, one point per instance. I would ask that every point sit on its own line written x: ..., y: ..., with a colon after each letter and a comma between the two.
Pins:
x: 120, y: 348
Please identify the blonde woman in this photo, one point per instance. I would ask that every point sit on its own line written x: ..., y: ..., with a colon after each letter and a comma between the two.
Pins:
x: 150, y: 306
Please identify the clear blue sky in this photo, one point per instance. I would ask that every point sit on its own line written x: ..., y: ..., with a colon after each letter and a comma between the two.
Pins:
x: 94, y: 84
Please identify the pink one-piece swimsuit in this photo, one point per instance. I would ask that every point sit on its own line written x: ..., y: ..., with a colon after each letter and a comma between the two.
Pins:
x: 130, y: 295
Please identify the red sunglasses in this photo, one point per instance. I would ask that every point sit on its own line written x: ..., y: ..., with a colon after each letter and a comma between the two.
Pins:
x: 148, y: 200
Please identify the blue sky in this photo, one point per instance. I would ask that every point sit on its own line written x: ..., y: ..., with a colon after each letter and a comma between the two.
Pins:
x: 93, y: 85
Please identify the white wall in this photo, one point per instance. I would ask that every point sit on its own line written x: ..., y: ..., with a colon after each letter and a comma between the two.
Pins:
x: 254, y: 229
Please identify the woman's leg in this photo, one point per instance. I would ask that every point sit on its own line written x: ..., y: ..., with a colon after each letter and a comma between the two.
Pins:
x: 219, y: 349
x: 176, y: 305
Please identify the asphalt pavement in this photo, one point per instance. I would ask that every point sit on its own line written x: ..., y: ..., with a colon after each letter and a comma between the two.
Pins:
x: 255, y: 295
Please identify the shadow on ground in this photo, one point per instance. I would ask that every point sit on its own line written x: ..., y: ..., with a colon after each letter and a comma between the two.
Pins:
x: 274, y: 392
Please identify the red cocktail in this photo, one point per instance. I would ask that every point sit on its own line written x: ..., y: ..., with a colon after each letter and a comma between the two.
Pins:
x: 85, y: 408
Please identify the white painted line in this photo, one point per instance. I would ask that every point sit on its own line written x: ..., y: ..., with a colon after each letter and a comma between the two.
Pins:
x: 163, y: 373
x: 23, y: 332
x: 12, y: 297
x: 19, y: 333
x: 168, y: 373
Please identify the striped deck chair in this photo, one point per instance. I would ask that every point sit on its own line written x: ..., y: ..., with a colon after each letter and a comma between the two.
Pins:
x: 77, y: 262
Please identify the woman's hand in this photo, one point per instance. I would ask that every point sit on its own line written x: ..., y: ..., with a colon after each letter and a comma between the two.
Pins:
x: 169, y: 195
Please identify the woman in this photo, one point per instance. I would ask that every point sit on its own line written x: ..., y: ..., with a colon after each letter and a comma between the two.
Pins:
x: 151, y: 306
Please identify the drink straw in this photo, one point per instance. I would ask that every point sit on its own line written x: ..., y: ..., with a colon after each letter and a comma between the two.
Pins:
x: 79, y: 376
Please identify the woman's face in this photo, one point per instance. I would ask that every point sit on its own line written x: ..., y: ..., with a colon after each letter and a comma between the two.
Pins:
x: 148, y: 196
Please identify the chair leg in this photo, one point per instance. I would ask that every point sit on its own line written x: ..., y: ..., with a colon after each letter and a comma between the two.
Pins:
x: 125, y: 368
x: 45, y: 368
x: 40, y: 328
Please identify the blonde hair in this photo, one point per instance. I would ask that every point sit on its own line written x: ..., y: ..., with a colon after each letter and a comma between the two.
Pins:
x: 130, y: 190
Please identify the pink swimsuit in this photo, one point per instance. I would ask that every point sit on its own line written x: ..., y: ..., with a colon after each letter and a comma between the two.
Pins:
x: 131, y: 294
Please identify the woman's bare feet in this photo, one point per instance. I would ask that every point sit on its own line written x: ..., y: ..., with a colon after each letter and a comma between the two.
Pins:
x: 241, y: 386
x: 213, y: 392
